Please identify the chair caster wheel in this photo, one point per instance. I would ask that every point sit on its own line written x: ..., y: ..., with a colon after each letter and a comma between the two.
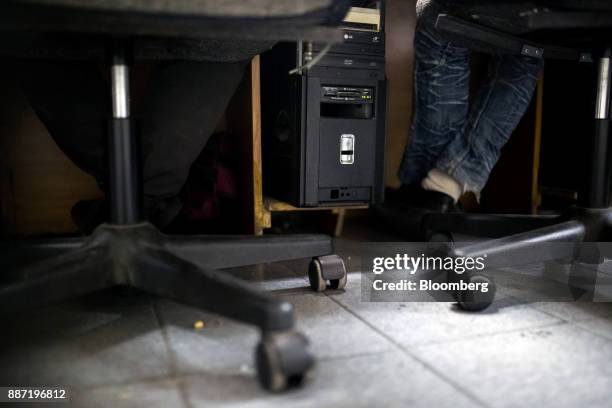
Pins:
x: 476, y: 300
x: 324, y: 269
x: 283, y: 361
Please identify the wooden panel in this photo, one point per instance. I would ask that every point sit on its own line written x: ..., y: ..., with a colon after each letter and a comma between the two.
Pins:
x: 400, y: 24
x: 39, y: 183
x: 244, y: 120
x: 261, y: 217
x: 536, y: 196
x: 274, y: 205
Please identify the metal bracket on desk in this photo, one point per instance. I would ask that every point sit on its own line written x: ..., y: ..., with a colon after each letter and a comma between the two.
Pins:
x: 532, y: 51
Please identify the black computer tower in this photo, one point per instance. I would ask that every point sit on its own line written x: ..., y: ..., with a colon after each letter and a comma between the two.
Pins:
x: 324, y: 128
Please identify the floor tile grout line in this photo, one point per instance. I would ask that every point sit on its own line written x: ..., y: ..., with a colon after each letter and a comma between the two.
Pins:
x: 174, y: 372
x: 432, y: 369
x: 569, y: 321
x: 538, y: 309
x: 493, y: 334
x: 196, y: 374
x: 354, y: 355
x: 178, y: 375
x: 137, y: 381
x: 559, y: 322
x: 294, y: 272
x: 578, y: 326
x: 546, y: 312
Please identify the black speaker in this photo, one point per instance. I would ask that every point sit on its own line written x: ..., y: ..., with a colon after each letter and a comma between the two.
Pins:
x: 324, y: 127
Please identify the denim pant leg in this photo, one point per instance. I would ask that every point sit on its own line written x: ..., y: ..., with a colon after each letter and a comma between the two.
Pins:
x: 496, y: 112
x: 440, y: 104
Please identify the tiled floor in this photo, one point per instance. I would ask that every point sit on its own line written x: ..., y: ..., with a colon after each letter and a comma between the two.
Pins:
x: 126, y: 349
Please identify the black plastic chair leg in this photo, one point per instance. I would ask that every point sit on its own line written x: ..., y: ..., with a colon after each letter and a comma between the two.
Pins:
x: 485, y: 225
x: 15, y: 256
x: 161, y: 273
x: 561, y: 242
x: 556, y: 242
x: 63, y: 277
x: 230, y: 251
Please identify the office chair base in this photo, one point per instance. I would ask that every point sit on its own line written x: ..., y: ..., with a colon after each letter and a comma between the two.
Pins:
x: 177, y: 267
x: 574, y: 236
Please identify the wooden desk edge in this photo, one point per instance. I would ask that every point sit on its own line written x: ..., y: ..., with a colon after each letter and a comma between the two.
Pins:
x: 274, y: 205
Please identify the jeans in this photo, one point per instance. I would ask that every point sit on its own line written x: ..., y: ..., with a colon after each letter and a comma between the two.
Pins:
x: 447, y: 133
x: 183, y: 103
